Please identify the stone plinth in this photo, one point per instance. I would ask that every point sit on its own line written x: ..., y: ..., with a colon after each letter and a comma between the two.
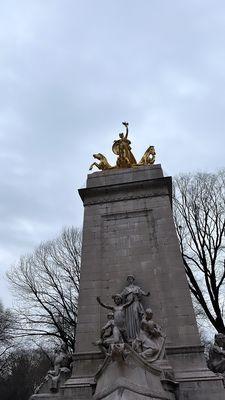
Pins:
x: 129, y: 229
x: 131, y: 378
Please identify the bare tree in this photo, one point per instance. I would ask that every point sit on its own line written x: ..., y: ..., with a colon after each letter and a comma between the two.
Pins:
x: 46, y: 284
x: 199, y: 214
x: 7, y: 324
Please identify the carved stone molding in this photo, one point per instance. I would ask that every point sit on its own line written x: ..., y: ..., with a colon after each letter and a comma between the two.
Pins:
x: 128, y: 191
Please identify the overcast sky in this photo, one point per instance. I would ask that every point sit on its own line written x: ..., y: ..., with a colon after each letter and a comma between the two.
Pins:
x: 71, y: 71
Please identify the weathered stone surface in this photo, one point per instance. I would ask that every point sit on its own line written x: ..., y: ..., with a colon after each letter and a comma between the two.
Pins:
x: 132, y: 379
x: 129, y: 229
x: 121, y: 176
x: 201, y: 390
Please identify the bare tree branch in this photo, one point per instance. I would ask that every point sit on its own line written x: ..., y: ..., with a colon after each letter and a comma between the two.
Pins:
x: 199, y: 215
x: 46, y: 285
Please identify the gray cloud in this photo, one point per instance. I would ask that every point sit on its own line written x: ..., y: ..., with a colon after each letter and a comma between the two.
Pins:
x: 71, y: 71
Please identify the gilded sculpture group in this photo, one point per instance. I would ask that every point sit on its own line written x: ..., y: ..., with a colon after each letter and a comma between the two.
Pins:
x: 129, y: 323
x: 125, y: 157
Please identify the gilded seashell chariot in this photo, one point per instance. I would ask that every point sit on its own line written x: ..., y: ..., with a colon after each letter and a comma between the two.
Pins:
x: 125, y: 158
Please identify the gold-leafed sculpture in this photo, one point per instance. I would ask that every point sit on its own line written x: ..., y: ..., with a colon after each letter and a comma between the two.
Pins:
x: 125, y: 157
x: 122, y: 149
x: 104, y: 164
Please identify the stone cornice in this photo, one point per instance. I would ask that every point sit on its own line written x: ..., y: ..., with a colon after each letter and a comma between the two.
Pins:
x: 127, y: 191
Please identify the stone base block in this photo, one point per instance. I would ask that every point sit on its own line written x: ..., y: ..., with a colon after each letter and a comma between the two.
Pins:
x: 202, y: 390
x: 78, y: 389
x: 130, y: 377
x: 124, y: 394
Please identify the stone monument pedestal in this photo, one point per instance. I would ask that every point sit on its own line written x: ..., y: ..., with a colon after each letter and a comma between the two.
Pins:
x: 129, y: 229
x: 130, y: 378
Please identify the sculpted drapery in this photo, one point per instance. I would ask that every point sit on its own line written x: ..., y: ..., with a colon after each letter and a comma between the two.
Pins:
x: 135, y: 312
x: 150, y: 343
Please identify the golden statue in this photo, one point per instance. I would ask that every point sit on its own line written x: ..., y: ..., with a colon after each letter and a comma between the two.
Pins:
x: 125, y: 157
x: 103, y: 162
x: 122, y: 149
x: 149, y: 156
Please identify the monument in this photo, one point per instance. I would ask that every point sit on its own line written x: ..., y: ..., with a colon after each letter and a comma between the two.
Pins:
x: 132, y: 268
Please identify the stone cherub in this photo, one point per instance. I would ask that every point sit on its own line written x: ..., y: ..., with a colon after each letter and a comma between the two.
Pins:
x: 107, y: 329
x: 118, y: 324
x: 106, y: 336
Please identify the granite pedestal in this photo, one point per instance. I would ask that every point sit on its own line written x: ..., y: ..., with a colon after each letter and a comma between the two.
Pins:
x: 129, y: 229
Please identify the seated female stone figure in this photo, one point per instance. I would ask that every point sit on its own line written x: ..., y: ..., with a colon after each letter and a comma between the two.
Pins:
x: 150, y: 341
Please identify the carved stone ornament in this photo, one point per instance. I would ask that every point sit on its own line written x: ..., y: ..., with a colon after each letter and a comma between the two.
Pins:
x: 125, y: 158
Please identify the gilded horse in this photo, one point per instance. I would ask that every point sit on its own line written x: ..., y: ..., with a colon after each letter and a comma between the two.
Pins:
x: 104, y: 164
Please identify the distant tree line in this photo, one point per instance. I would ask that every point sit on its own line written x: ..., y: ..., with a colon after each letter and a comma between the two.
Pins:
x: 7, y: 326
x: 23, y: 372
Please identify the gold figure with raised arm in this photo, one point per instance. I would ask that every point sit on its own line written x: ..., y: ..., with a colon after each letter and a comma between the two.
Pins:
x: 125, y: 158
x: 122, y: 149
